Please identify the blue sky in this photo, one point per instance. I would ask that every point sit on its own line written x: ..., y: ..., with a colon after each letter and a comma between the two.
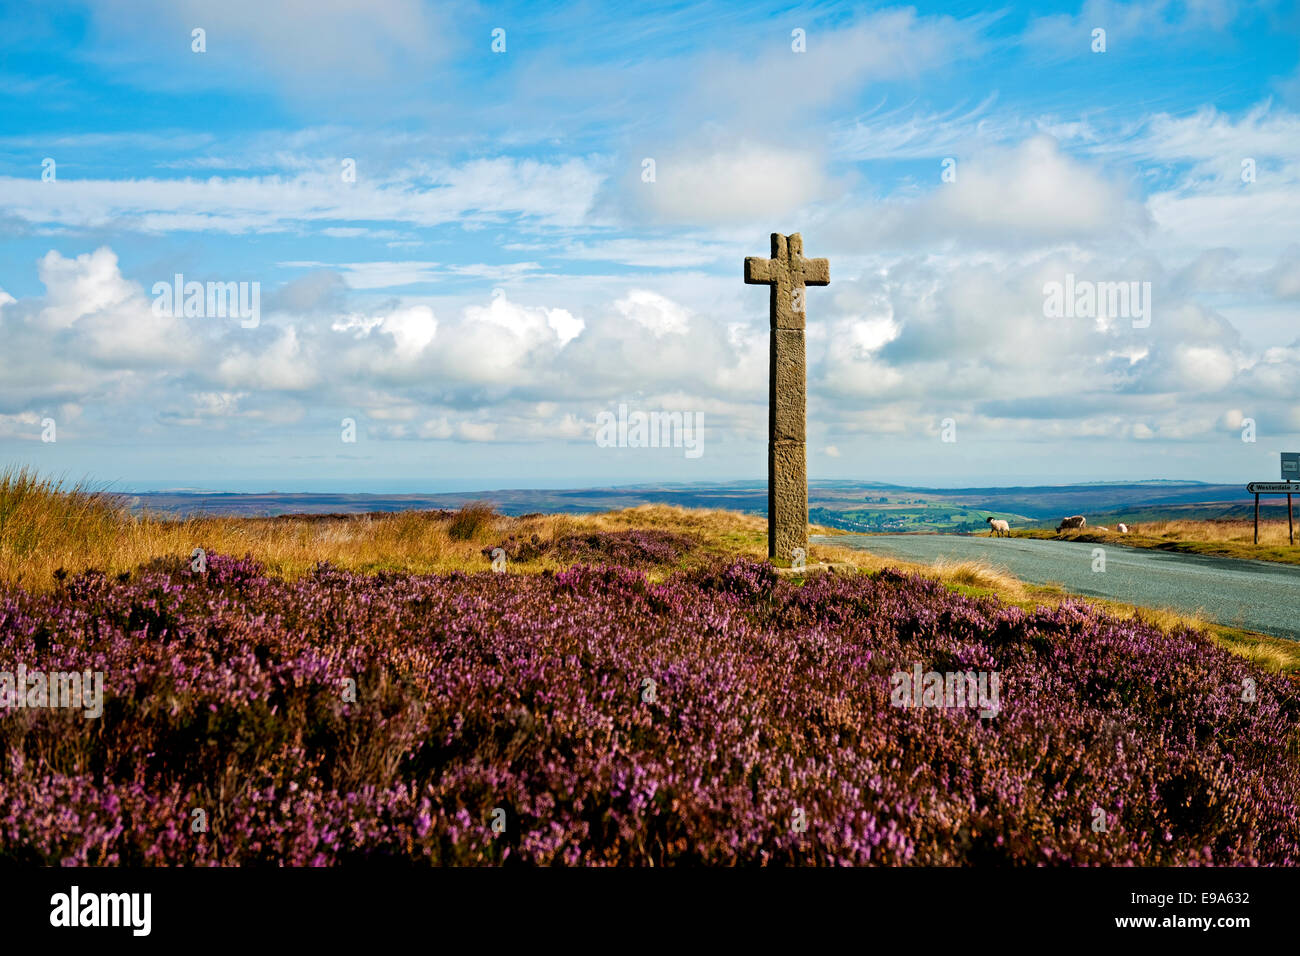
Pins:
x: 500, y: 272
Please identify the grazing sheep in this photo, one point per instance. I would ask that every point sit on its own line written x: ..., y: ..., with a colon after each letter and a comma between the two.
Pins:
x: 998, y: 526
x: 1123, y: 528
x: 1073, y: 521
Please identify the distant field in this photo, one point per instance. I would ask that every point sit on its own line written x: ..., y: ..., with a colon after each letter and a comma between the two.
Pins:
x: 912, y: 515
x: 1039, y: 502
x: 857, y: 506
x: 964, y: 511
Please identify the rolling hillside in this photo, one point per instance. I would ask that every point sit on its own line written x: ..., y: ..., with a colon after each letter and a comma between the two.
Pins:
x: 849, y: 505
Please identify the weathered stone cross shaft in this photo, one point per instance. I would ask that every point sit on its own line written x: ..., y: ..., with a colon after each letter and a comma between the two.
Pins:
x: 787, y: 272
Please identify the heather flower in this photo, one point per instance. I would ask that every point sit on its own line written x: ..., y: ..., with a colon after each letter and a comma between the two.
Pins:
x: 524, y: 693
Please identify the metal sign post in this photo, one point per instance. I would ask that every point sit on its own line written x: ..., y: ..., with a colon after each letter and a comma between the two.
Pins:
x: 1290, y: 473
x: 1290, y: 484
x: 1287, y: 488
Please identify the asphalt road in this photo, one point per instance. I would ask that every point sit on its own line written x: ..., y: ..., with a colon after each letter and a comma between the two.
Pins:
x: 1258, y: 595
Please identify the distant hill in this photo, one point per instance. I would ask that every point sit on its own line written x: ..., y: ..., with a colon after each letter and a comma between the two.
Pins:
x: 851, y: 505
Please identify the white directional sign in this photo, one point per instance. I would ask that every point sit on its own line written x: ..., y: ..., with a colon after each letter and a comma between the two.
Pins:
x: 1274, y: 488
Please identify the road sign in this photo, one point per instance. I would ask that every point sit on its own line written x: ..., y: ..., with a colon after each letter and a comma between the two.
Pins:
x: 1274, y: 488
x: 1287, y: 488
x: 1291, y: 465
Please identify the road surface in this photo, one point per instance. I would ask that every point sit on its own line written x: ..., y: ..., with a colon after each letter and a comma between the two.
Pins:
x: 1257, y: 595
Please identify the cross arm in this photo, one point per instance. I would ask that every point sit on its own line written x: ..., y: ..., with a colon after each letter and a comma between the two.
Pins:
x: 759, y: 271
x: 815, y: 271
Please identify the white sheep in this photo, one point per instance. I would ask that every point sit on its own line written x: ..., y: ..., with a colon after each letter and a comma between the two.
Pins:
x: 997, y: 526
x: 1123, y: 528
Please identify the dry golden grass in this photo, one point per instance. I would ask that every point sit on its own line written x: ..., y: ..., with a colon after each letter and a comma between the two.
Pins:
x: 46, y: 526
x: 1269, y: 653
x: 982, y: 575
x: 1218, y: 537
x: 1217, y: 532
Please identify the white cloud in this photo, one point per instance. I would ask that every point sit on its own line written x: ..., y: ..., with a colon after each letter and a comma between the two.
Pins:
x: 91, y: 314
x: 1035, y: 190
x: 566, y: 326
x: 1256, y: 221
x: 82, y: 286
x: 729, y: 183
x: 504, y: 342
x: 869, y: 335
x: 896, y: 346
x: 660, y: 315
x: 1061, y: 36
x: 308, y: 47
x: 1205, y: 368
x: 905, y: 133
x: 283, y: 365
x: 787, y: 89
x: 412, y: 329
x: 478, y: 431
x: 480, y: 190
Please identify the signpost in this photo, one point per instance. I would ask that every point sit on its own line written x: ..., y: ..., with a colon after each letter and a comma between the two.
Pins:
x: 1274, y: 487
x: 1290, y: 486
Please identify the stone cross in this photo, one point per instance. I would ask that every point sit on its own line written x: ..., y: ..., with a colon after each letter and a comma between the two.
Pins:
x: 787, y: 272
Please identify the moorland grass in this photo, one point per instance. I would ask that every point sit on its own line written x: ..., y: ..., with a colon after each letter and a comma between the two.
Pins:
x: 1224, y: 538
x: 48, y: 525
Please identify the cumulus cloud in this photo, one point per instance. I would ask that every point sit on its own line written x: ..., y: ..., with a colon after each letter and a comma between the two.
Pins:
x: 655, y: 312
x: 503, y: 342
x: 892, y: 350
x: 82, y: 286
x: 968, y: 338
x: 1031, y: 193
x: 1035, y: 189
x: 88, y: 334
x: 727, y: 183
x: 412, y: 329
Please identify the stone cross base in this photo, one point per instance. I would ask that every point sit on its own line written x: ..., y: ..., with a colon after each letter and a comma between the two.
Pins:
x: 787, y: 499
